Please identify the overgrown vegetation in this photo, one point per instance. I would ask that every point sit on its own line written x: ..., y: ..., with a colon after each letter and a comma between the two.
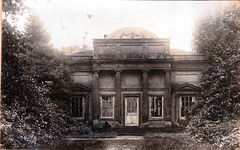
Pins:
x: 215, y: 118
x: 35, y: 84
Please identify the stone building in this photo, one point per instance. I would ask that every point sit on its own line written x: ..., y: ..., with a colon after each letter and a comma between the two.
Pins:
x: 132, y: 78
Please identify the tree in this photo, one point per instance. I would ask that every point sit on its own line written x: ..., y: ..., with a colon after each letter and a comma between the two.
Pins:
x: 74, y: 49
x: 35, y: 86
x: 52, y: 66
x: 13, y: 7
x: 18, y: 85
x: 217, y: 36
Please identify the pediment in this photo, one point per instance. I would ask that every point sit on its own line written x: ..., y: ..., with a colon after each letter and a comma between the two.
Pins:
x: 79, y: 87
x: 186, y: 87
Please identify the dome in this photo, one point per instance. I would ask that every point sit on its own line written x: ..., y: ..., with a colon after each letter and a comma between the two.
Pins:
x: 131, y: 33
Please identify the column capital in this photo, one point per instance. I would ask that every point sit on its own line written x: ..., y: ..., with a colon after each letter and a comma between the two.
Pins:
x: 118, y: 71
x: 95, y: 72
x: 167, y: 71
x: 145, y: 70
x: 95, y: 65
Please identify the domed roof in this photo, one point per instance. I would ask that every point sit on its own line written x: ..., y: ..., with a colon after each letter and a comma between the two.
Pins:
x: 131, y: 33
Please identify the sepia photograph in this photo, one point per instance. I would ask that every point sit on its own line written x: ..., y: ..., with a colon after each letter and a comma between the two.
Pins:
x: 120, y: 75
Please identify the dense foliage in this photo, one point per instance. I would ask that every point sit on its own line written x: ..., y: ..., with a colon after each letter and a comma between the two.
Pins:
x: 51, y: 66
x: 74, y: 49
x: 13, y: 7
x: 35, y: 84
x: 215, y: 118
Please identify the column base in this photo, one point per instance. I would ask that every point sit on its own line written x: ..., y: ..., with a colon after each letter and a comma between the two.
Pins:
x: 168, y: 118
x: 168, y: 124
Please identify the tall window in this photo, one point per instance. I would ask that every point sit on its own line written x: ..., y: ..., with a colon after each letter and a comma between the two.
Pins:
x: 78, y: 106
x: 156, y: 107
x: 185, y: 103
x: 107, y: 106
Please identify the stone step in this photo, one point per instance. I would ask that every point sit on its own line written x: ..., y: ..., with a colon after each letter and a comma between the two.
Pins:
x: 118, y: 138
x: 130, y: 134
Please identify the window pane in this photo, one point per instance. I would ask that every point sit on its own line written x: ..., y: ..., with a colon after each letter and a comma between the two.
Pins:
x: 103, y: 102
x: 76, y: 102
x: 107, y: 106
x: 80, y: 112
x: 182, y: 112
x: 73, y: 103
x: 156, y: 106
x: 132, y: 105
x: 77, y: 106
x: 182, y: 101
x: 81, y: 102
x: 186, y: 102
x: 77, y: 112
x: 190, y: 101
x: 107, y: 112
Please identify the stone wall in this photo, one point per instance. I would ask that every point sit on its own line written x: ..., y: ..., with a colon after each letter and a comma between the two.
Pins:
x: 84, y: 78
x: 107, y: 80
x: 132, y: 48
x: 192, y: 77
x: 156, y: 80
x: 131, y: 79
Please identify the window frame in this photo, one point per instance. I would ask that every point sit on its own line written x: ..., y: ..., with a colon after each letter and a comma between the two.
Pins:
x: 113, y: 107
x: 150, y: 100
x: 83, y: 106
x: 180, y: 105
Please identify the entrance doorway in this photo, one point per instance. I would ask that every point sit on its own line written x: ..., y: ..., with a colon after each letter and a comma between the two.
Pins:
x: 131, y: 110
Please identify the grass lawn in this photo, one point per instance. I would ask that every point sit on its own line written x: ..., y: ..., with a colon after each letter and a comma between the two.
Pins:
x: 151, y: 141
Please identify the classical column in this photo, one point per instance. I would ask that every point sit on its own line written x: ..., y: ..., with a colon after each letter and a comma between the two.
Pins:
x: 173, y: 109
x: 145, y: 103
x: 90, y: 106
x: 168, y: 96
x: 118, y: 96
x: 96, y: 99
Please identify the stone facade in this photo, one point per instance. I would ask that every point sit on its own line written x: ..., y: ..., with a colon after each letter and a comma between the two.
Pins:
x: 134, y: 81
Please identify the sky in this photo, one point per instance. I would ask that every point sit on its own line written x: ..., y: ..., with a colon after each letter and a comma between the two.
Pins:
x: 78, y: 22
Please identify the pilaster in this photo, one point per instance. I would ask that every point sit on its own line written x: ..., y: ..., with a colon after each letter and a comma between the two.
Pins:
x: 96, y: 98
x: 90, y: 106
x: 168, y: 95
x: 173, y: 109
x: 145, y: 103
x: 118, y: 96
